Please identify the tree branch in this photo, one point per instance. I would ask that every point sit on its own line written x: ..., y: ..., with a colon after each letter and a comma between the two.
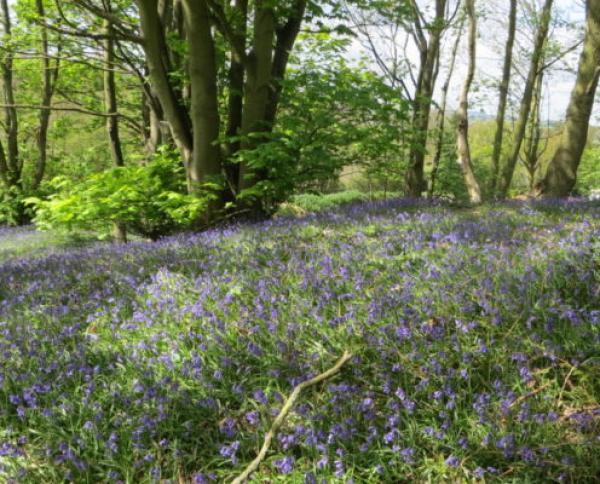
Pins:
x: 289, y: 403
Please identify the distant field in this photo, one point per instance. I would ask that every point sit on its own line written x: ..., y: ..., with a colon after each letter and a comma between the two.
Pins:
x: 475, y: 338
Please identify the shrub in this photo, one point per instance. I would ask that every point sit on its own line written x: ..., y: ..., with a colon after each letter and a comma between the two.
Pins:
x: 13, y: 210
x: 588, y: 176
x: 317, y: 203
x: 148, y: 200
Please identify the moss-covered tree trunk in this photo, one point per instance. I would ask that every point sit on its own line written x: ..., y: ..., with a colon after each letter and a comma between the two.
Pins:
x: 561, y: 174
x: 235, y: 102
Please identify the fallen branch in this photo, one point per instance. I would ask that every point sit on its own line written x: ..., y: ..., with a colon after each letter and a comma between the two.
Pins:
x: 570, y: 373
x: 289, y: 403
x: 533, y: 393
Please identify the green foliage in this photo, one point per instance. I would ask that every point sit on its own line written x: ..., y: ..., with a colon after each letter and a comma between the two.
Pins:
x: 13, y: 210
x: 148, y: 200
x: 317, y: 203
x: 304, y: 203
x: 332, y: 115
x: 588, y: 175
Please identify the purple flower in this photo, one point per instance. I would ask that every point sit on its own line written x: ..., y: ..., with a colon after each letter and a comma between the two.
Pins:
x: 230, y: 451
x: 253, y: 418
x: 284, y: 465
x: 260, y: 396
x: 408, y: 455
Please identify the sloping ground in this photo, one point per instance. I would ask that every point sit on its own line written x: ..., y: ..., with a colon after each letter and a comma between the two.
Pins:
x: 476, y: 343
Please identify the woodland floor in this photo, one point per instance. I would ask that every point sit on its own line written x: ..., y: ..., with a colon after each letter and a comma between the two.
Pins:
x: 475, y: 339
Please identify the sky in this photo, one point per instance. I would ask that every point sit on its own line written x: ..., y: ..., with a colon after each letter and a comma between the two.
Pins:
x: 492, y: 25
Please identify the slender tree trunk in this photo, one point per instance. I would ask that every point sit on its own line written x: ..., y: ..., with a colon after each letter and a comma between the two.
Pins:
x: 13, y: 162
x: 153, y: 130
x: 50, y: 77
x: 111, y: 107
x: 504, y: 83
x: 531, y: 153
x: 463, y: 149
x: 442, y: 114
x: 286, y: 38
x: 415, y: 180
x: 156, y: 130
x: 236, y: 77
x: 561, y: 174
x: 110, y: 98
x: 4, y: 172
x: 538, y: 49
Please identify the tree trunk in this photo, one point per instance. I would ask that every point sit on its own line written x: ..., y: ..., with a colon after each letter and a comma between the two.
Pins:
x: 501, y: 112
x: 561, y: 174
x: 463, y: 149
x: 286, y: 38
x: 521, y: 125
x: 236, y: 77
x: 265, y: 72
x: 111, y: 108
x: 50, y: 77
x: 442, y: 114
x: 13, y: 163
x: 4, y: 171
x: 206, y: 159
x: 415, y: 181
x: 531, y: 148
x: 153, y: 130
x: 258, y: 84
x: 157, y: 57
x: 110, y: 97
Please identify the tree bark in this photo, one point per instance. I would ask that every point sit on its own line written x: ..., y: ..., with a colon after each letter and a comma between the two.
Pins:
x: 463, y: 149
x: 50, y: 77
x: 154, y: 134
x: 531, y: 147
x: 415, y: 181
x: 504, y: 83
x: 265, y: 71
x: 538, y: 49
x: 286, y: 38
x: 235, y: 102
x: 110, y: 97
x: 258, y: 84
x: 206, y: 159
x: 561, y: 174
x: 157, y: 57
x: 13, y: 162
